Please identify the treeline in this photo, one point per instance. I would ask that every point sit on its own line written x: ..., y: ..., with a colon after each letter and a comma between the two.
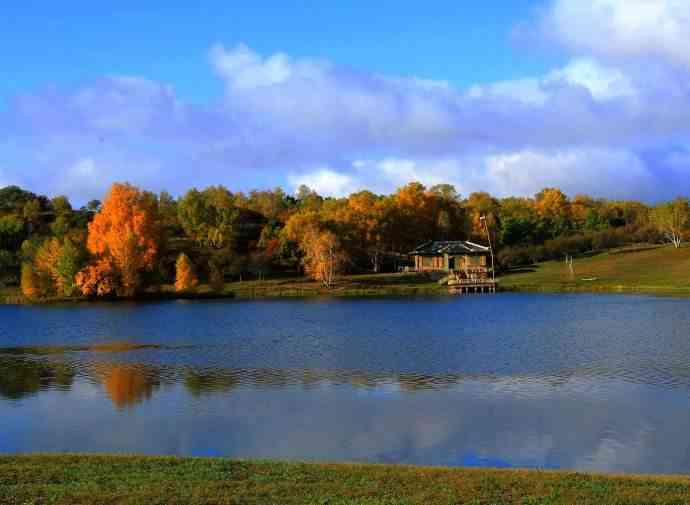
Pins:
x: 136, y: 240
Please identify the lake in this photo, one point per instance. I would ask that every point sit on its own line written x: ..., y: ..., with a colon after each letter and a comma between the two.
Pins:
x: 590, y: 382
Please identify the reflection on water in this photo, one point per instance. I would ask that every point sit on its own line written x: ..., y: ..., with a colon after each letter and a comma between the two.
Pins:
x: 20, y: 377
x: 526, y: 380
x: 126, y: 385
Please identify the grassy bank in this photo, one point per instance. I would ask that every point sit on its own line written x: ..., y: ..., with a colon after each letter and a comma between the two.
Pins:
x: 284, y: 287
x: 347, y: 286
x: 657, y: 270
x: 140, y: 480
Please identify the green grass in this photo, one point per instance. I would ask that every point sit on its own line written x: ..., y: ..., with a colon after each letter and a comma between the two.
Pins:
x: 283, y: 287
x: 346, y: 286
x: 72, y: 479
x: 658, y: 270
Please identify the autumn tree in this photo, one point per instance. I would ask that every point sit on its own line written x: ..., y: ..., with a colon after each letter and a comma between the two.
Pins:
x: 29, y: 281
x: 364, y: 220
x: 553, y: 207
x: 99, y: 278
x: 271, y: 204
x: 413, y: 217
x: 185, y: 278
x: 123, y: 237
x: 478, y: 205
x: 672, y: 220
x: 58, y: 263
x: 324, y: 258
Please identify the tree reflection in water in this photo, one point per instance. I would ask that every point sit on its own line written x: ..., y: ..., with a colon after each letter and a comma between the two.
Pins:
x: 22, y: 377
x: 127, y: 385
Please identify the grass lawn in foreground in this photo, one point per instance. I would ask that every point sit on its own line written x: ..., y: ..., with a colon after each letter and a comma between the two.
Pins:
x: 73, y: 479
x: 663, y: 270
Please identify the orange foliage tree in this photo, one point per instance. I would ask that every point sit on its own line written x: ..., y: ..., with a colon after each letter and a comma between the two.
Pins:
x: 124, y: 238
x: 29, y: 282
x: 185, y: 279
x: 324, y: 257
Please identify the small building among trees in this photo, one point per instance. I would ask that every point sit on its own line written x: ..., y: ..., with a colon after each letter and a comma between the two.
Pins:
x: 450, y: 256
x: 466, y: 263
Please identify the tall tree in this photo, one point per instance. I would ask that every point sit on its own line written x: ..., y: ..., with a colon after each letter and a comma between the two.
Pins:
x: 672, y: 219
x: 553, y: 208
x: 185, y: 278
x: 209, y: 217
x: 125, y: 232
x: 324, y: 258
x: 29, y: 282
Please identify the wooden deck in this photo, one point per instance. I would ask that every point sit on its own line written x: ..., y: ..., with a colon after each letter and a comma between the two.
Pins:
x: 477, y: 282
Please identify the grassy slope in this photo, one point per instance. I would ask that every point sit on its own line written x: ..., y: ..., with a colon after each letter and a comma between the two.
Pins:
x: 656, y: 270
x: 140, y: 480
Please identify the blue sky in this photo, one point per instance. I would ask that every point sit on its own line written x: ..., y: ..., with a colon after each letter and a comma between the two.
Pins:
x: 508, y: 97
x: 73, y: 42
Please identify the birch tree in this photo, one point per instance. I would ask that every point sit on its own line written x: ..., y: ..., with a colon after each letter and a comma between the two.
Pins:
x: 672, y: 220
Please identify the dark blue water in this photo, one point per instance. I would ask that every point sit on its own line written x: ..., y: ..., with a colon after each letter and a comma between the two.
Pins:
x: 558, y: 381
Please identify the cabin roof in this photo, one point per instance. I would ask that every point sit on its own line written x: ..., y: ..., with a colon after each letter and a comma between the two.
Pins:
x: 438, y: 247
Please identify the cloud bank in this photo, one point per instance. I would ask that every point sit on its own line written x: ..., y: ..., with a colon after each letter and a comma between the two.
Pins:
x: 612, y: 121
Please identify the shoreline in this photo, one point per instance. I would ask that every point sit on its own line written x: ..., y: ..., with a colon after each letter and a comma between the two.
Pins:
x: 81, y: 478
x: 268, y: 293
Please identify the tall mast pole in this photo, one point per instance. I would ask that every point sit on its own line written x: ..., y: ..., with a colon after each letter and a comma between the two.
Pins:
x: 491, y: 249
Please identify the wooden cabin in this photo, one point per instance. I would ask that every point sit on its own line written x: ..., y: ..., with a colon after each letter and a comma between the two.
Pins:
x: 451, y: 256
x: 468, y: 264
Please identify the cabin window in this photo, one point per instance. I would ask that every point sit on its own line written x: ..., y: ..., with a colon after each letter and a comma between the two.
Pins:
x: 427, y: 261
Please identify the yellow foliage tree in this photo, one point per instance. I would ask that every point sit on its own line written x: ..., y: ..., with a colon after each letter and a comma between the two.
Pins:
x: 29, y: 282
x: 126, y: 233
x: 324, y: 257
x: 185, y: 279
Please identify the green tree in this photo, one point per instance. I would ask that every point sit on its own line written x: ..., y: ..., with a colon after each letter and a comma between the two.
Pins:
x: 209, y: 217
x: 69, y: 261
x: 12, y: 232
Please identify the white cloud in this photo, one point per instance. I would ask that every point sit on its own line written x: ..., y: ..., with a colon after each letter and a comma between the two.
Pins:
x: 326, y: 182
x: 242, y: 68
x: 601, y: 82
x: 595, y: 171
x: 587, y: 126
x: 623, y: 28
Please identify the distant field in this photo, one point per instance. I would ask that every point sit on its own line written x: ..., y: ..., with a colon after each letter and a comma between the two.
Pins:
x: 663, y: 270
x: 141, y: 480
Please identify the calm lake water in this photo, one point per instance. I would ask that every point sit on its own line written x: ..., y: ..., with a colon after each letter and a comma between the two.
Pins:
x: 564, y: 381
